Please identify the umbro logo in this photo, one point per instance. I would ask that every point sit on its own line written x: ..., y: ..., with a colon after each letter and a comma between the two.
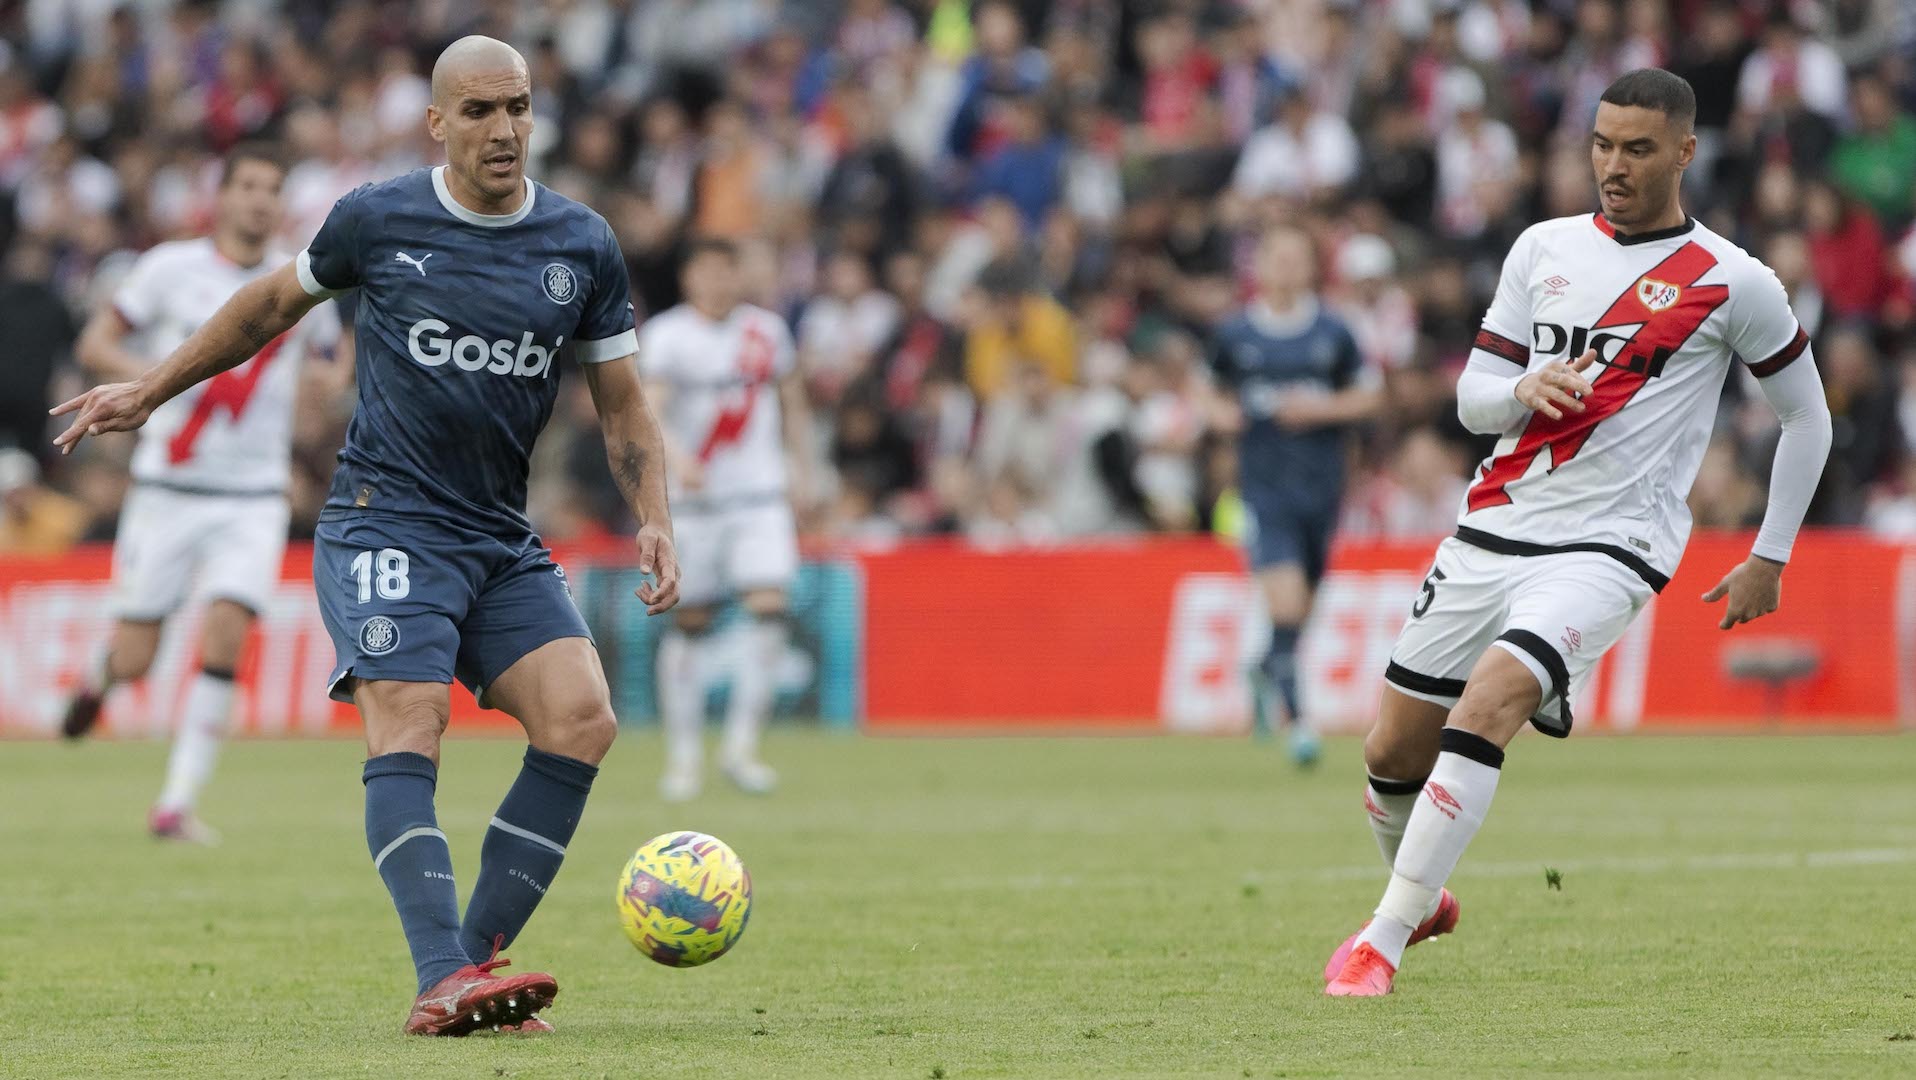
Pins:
x: 1442, y: 799
x: 1556, y: 283
x: 418, y: 264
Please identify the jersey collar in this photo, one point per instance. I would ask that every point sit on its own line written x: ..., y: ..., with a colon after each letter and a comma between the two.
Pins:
x: 1604, y: 227
x: 471, y: 217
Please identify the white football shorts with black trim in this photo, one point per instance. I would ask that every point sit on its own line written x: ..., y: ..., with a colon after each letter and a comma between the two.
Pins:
x: 1556, y: 613
x: 734, y: 549
x: 171, y: 544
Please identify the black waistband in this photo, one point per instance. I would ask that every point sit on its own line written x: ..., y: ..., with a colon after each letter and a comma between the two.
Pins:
x: 210, y: 492
x: 1490, y: 542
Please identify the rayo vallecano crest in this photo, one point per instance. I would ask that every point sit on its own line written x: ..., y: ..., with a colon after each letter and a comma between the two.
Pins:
x: 1657, y: 295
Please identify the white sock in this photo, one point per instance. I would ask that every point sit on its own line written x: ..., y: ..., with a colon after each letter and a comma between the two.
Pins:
x: 681, y: 700
x: 1388, y: 803
x: 1454, y: 802
x: 98, y: 678
x: 196, y: 745
x: 758, y: 645
x: 1389, y: 812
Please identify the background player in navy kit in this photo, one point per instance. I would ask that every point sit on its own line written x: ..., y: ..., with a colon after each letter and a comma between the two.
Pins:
x: 1296, y: 381
x: 473, y: 281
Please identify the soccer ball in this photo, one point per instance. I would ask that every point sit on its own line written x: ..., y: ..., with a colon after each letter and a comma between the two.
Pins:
x: 684, y: 899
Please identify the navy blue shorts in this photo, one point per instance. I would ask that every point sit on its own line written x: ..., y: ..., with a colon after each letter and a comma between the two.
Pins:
x: 1284, y: 532
x: 421, y: 600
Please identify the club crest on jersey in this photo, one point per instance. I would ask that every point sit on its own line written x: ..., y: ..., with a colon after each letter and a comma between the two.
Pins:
x: 1657, y: 295
x: 559, y: 283
x: 378, y: 636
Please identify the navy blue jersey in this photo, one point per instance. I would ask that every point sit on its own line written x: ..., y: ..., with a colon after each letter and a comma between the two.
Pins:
x: 464, y: 322
x: 1261, y: 360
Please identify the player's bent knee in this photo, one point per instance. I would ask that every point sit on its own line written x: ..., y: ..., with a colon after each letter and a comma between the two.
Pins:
x: 1499, y: 699
x: 585, y: 732
x: 1403, y: 744
x: 409, y: 718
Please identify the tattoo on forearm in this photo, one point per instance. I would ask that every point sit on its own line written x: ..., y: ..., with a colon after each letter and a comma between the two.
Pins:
x: 256, y: 335
x: 628, y: 468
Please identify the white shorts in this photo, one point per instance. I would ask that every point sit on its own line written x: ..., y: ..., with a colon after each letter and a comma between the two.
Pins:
x: 219, y: 547
x: 726, y: 552
x: 1557, y: 613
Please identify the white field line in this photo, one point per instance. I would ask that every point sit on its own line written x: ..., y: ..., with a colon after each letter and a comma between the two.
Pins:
x: 1732, y: 862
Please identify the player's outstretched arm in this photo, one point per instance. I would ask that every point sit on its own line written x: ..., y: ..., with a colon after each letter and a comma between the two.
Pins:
x: 261, y: 311
x: 636, y: 450
x: 1755, y: 587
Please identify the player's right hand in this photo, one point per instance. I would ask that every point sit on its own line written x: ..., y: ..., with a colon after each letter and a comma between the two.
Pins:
x: 659, y: 558
x: 1557, y: 386
x: 111, y: 407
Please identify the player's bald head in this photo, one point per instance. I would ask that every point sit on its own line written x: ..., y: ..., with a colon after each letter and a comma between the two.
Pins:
x: 475, y: 58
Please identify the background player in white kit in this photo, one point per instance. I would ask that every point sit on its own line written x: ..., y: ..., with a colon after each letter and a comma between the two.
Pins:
x: 1579, y: 517
x: 208, y: 508
x: 722, y: 378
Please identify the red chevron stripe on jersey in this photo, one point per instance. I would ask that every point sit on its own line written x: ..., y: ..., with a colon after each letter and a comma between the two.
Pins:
x: 228, y: 391
x: 1682, y: 305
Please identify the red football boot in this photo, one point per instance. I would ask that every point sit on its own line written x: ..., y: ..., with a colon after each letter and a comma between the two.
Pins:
x: 473, y: 998
x: 1441, y: 921
x: 1365, y: 974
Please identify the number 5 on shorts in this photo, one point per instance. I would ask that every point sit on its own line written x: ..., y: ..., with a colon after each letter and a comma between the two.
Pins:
x: 1417, y: 609
x: 391, y: 579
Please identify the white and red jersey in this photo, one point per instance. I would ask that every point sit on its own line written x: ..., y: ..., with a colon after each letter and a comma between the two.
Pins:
x: 1666, y: 312
x: 230, y: 434
x: 723, y: 376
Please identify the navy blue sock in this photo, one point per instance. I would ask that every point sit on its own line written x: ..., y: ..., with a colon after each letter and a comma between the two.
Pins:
x: 1280, y: 667
x: 413, y: 858
x: 524, y: 847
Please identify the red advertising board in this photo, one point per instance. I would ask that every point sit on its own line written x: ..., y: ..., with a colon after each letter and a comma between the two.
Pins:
x: 1140, y: 635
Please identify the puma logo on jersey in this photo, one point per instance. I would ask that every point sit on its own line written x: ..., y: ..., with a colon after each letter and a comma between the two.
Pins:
x: 418, y: 264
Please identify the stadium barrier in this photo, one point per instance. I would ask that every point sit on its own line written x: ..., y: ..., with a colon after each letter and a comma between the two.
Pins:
x: 1144, y: 635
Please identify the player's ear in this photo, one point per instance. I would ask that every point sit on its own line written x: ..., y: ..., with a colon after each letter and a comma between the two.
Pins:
x: 436, y: 124
x: 1686, y: 150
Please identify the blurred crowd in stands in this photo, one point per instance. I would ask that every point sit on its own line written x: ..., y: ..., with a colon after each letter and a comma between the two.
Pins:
x: 1003, y: 229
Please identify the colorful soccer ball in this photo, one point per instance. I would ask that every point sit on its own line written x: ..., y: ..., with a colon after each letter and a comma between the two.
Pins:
x: 684, y: 899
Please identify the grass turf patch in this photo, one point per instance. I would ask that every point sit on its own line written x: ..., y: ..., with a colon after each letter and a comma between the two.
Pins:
x: 1012, y: 907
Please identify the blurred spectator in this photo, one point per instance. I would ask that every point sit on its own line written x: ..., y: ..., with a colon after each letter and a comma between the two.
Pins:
x: 1304, y: 154
x: 33, y: 519
x: 841, y: 331
x: 1866, y: 439
x: 1876, y: 162
x: 1012, y: 326
x: 1847, y: 249
x: 1476, y: 158
x: 40, y: 332
x: 1027, y: 168
x: 1001, y: 228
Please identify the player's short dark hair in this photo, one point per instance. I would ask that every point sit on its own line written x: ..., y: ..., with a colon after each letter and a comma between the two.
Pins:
x: 1655, y: 88
x: 711, y: 245
x: 251, y: 150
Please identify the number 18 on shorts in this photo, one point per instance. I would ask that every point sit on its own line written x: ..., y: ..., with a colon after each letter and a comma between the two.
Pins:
x: 416, y: 600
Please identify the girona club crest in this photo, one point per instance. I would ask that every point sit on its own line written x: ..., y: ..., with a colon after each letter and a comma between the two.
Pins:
x: 1657, y: 295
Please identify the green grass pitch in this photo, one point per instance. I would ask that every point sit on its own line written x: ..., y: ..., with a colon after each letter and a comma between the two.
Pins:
x: 993, y: 908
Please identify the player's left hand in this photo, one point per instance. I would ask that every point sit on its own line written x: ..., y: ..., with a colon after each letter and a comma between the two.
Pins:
x: 1755, y: 588
x: 660, y: 559
x: 109, y: 407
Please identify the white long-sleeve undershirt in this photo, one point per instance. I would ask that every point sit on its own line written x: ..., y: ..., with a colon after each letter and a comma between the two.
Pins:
x: 1487, y: 395
x: 1796, y: 393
